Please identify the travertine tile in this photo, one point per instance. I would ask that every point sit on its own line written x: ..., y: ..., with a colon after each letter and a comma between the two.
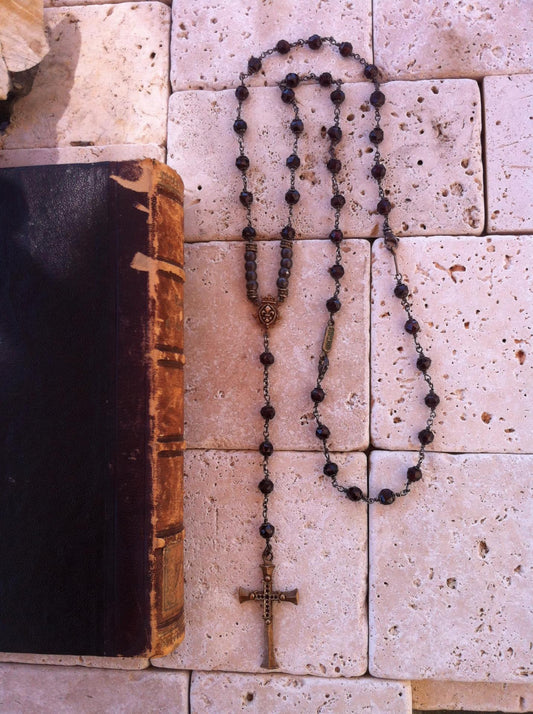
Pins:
x: 81, y: 660
x: 473, y: 299
x: 62, y: 690
x: 62, y: 3
x: 80, y: 155
x: 471, y: 696
x: 319, y: 547
x: 224, y: 378
x: 211, y: 42
x: 104, y: 80
x: 509, y: 152
x: 432, y: 151
x: 450, y: 569
x: 229, y: 693
x: 414, y: 40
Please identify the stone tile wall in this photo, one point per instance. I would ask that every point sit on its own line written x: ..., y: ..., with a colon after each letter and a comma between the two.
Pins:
x: 422, y: 605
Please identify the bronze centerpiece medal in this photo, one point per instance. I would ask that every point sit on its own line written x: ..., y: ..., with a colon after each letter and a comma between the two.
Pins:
x: 268, y: 308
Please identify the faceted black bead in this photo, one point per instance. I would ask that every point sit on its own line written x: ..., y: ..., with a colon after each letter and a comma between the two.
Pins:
x: 242, y: 93
x: 287, y: 95
x: 250, y: 255
x: 293, y: 161
x: 377, y: 99
x: 288, y: 232
x: 354, y: 493
x: 330, y: 469
x: 338, y: 200
x: 425, y: 436
x: 254, y: 64
x: 286, y: 263
x: 334, y: 165
x: 336, y: 236
x: 336, y: 271
x: 266, y: 530
x: 284, y: 272
x: 242, y: 162
x: 248, y: 232
x: 266, y: 486
x: 318, y: 394
x: 384, y: 207
x: 239, y: 126
x: 297, y: 126
x: 322, y: 432
x: 412, y: 326
x: 333, y: 304
x: 378, y: 171
x: 250, y: 264
x: 292, y: 80
x: 337, y: 96
x: 386, y: 496
x: 266, y: 448
x: 370, y: 71
x: 346, y: 49
x: 423, y: 363
x: 282, y: 283
x: 268, y: 412
x: 292, y: 196
x: 286, y: 252
x: 325, y: 79
x: 376, y: 135
x: 432, y: 400
x: 315, y: 42
x: 246, y: 198
x: 414, y: 474
x: 250, y: 275
x: 335, y: 134
x: 283, y: 47
x: 266, y: 358
x: 401, y: 291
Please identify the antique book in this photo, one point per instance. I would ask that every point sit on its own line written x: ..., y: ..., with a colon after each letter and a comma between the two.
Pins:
x: 91, y: 409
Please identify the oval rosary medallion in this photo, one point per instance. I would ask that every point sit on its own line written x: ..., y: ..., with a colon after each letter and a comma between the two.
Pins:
x: 268, y: 311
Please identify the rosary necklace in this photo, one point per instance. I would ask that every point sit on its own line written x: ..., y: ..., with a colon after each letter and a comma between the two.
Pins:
x: 268, y: 306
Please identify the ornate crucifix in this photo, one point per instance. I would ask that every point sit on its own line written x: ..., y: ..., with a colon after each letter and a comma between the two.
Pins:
x: 268, y: 596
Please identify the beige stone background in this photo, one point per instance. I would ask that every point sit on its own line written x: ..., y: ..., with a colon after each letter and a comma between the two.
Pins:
x: 421, y: 606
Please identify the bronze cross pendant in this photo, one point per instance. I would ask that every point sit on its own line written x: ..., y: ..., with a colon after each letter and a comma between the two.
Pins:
x: 268, y: 596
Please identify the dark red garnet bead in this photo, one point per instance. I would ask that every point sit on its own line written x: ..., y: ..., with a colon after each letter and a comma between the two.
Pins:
x: 266, y: 486
x: 335, y: 134
x: 338, y: 200
x: 254, y: 65
x: 423, y: 363
x: 242, y: 93
x: 297, y: 126
x: 242, y: 163
x: 240, y: 126
x: 386, y: 496
x: 334, y: 165
x: 315, y: 42
x: 322, y: 432
x: 412, y: 326
x: 268, y: 412
x: 345, y: 49
x: 266, y: 358
x: 330, y: 469
x: 325, y: 79
x: 336, y: 271
x: 354, y: 493
x: 370, y: 71
x: 337, y: 96
x: 246, y: 198
x: 384, y: 207
x: 288, y: 232
x: 283, y: 47
x: 376, y: 135
x: 378, y: 171
x: 293, y: 161
x: 425, y: 437
x: 287, y: 95
x: 266, y: 530
x: 377, y: 99
x: 414, y: 474
x: 266, y: 448
x: 336, y: 236
x: 333, y: 304
x: 292, y: 196
x: 432, y: 400
x: 401, y: 291
x: 318, y: 394
x: 292, y: 80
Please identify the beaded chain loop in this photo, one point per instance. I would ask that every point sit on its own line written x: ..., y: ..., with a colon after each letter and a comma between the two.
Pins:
x: 268, y: 306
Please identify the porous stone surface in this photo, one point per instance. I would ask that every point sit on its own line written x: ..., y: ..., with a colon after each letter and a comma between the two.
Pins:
x: 224, y: 377
x: 80, y: 155
x: 62, y: 690
x: 104, y: 80
x: 71, y: 660
x: 4, y: 79
x: 452, y: 39
x: 319, y: 548
x: 223, y: 693
x: 23, y: 43
x: 450, y: 569
x: 472, y: 298
x: 508, y: 103
x: 472, y: 696
x: 432, y: 151
x: 212, y: 42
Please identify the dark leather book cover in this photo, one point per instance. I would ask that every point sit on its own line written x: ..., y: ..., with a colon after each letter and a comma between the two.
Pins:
x: 91, y: 409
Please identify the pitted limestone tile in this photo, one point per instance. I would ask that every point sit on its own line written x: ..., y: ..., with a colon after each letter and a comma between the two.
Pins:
x: 509, y: 152
x: 104, y: 80
x: 472, y: 696
x: 62, y: 690
x: 224, y: 693
x: 450, y: 569
x: 80, y: 155
x: 212, y: 42
x: 415, y: 40
x: 432, y: 150
x: 473, y: 299
x: 62, y: 3
x: 80, y: 660
x: 224, y: 378
x: 319, y: 548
